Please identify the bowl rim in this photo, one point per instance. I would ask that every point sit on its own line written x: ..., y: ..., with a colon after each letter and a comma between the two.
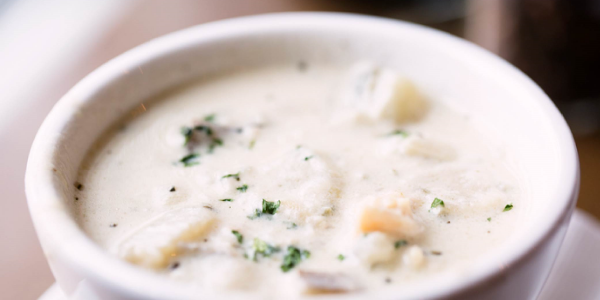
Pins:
x: 63, y: 239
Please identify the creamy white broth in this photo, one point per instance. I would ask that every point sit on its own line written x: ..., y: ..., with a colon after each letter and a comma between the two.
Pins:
x: 284, y: 134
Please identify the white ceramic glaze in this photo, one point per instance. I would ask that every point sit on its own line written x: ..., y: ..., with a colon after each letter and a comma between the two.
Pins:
x: 446, y: 68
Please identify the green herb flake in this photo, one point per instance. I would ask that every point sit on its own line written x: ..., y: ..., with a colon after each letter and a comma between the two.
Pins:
x: 251, y: 146
x: 399, y: 132
x: 437, y: 202
x: 262, y: 248
x: 205, y: 129
x: 213, y: 144
x: 190, y: 160
x: 242, y: 188
x: 187, y: 134
x: 341, y: 257
x: 210, y: 118
x: 508, y: 207
x: 489, y: 219
x: 400, y: 243
x: 270, y: 207
x: 238, y: 236
x: 308, y: 157
x: 236, y: 176
x: 291, y: 225
x: 257, y: 214
x: 293, y: 257
x: 226, y: 200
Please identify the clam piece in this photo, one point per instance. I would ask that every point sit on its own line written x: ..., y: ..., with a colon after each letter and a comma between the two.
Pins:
x: 391, y: 215
x: 323, y: 283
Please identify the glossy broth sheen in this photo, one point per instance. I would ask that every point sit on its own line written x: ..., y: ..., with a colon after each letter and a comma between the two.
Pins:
x: 328, y: 178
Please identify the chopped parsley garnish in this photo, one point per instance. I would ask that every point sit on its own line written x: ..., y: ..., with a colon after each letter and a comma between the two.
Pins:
x: 172, y: 189
x: 238, y: 236
x: 252, y: 142
x: 242, y: 188
x: 291, y: 225
x: 215, y: 142
x: 257, y: 214
x: 489, y: 219
x: 293, y: 257
x: 341, y: 257
x: 190, y: 160
x: 226, y: 200
x: 400, y: 243
x: 187, y: 134
x: 437, y: 202
x: 262, y: 248
x: 508, y: 207
x: 190, y: 134
x: 270, y: 207
x: 398, y: 132
x: 205, y: 129
x: 236, y: 176
x: 308, y: 157
x: 210, y: 118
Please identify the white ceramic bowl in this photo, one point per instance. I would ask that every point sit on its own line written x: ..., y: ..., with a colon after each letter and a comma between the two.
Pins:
x: 444, y: 67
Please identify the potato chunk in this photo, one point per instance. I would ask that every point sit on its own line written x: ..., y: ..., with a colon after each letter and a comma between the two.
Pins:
x: 414, y: 257
x: 324, y: 283
x: 375, y: 248
x: 154, y: 243
x: 378, y: 93
x: 418, y: 146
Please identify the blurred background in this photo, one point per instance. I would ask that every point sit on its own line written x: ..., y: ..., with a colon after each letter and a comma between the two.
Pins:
x: 47, y: 46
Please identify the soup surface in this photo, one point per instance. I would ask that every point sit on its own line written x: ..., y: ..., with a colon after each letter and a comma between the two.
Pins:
x: 295, y: 180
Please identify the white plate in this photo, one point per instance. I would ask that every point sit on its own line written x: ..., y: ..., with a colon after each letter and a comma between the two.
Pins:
x: 576, y: 272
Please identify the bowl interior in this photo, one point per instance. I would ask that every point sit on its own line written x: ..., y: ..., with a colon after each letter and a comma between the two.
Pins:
x: 444, y: 68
